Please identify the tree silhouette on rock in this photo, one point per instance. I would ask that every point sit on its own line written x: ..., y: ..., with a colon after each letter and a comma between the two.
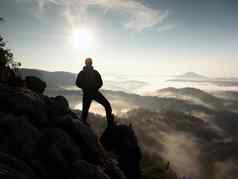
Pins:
x: 6, y: 56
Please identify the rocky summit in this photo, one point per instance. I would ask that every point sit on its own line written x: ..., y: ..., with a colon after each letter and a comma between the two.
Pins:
x: 41, y: 137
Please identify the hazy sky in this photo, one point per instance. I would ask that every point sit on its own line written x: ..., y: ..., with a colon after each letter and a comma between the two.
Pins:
x: 124, y: 36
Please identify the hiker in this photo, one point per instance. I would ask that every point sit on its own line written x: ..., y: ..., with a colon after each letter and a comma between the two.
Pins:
x: 90, y: 81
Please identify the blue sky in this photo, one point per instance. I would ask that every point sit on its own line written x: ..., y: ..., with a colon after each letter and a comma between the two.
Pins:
x: 165, y: 37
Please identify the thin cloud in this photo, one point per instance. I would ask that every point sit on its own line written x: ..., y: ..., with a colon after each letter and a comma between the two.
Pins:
x: 166, y: 28
x: 138, y: 15
x: 40, y: 3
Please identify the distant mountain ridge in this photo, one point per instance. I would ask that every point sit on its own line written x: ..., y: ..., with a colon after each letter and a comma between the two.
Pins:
x: 197, y: 78
x: 62, y: 79
x: 192, y: 75
x: 54, y: 80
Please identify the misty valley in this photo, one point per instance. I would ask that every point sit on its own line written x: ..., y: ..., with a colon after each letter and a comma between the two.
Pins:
x: 192, y: 129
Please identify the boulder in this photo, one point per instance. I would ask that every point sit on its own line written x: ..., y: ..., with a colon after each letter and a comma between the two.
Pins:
x: 121, y: 139
x: 5, y: 93
x: 83, y: 136
x: 18, y: 136
x: 35, y: 84
x: 59, y: 153
x: 84, y: 170
x: 21, y: 101
x: 13, y: 168
x: 7, y: 172
x: 111, y: 168
x: 87, y: 140
x: 59, y: 106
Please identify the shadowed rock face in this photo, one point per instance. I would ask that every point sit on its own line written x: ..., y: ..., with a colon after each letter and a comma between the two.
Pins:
x: 122, y: 140
x: 42, y: 138
x: 35, y: 84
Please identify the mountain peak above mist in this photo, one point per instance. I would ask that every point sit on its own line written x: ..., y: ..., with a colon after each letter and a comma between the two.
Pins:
x: 192, y: 75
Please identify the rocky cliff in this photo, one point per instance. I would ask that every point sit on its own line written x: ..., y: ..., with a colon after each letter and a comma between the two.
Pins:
x: 42, y: 138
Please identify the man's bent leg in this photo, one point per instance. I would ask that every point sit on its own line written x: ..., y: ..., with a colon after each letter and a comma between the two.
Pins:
x: 103, y: 101
x: 87, y: 99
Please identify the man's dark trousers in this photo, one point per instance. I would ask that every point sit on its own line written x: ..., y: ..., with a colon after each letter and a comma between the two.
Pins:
x: 97, y: 96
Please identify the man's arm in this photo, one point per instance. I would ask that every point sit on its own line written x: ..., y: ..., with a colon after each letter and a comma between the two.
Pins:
x: 99, y: 80
x: 79, y: 80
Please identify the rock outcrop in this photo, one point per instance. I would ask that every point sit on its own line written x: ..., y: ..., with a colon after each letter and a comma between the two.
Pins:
x: 35, y: 84
x: 122, y: 141
x: 42, y: 138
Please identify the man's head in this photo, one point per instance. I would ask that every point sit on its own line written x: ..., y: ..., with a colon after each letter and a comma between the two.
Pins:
x: 88, y: 62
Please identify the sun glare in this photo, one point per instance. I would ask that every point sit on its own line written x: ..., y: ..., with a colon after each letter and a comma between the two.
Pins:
x: 81, y: 39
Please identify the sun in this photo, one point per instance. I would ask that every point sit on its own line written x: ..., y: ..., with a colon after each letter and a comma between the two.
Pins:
x: 81, y: 39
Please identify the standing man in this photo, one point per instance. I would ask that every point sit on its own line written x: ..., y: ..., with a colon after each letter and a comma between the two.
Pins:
x: 90, y: 81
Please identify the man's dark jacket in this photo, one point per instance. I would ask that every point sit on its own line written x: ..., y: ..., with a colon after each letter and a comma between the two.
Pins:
x: 89, y: 80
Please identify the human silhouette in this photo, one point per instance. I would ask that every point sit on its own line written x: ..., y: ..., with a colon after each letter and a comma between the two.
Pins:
x: 90, y: 81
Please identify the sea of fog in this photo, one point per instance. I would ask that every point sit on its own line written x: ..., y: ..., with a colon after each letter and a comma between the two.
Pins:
x: 147, y: 84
